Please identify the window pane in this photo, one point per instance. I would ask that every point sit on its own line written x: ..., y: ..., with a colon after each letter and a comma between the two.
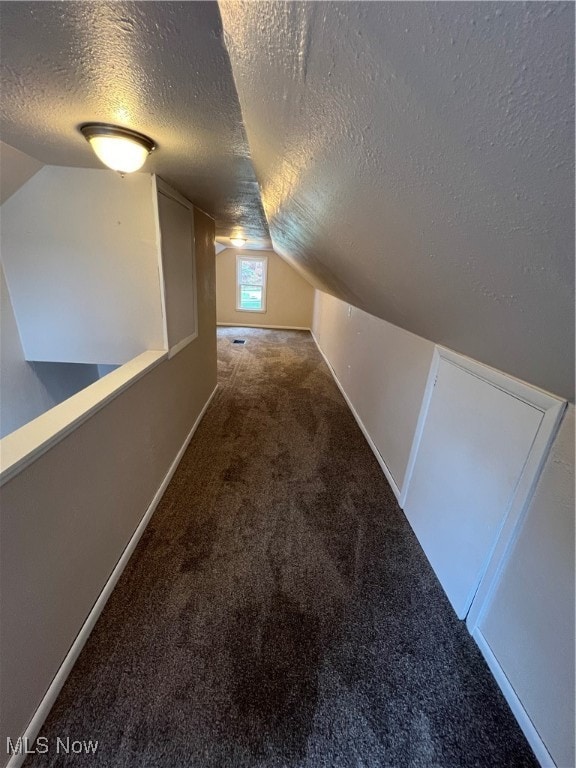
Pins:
x: 251, y: 273
x: 250, y: 297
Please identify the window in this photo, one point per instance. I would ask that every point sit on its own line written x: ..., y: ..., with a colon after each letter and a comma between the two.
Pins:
x: 251, y: 283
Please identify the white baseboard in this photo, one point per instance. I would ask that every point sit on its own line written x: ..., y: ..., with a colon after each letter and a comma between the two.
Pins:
x: 360, y: 423
x: 51, y: 694
x: 261, y: 325
x: 532, y: 735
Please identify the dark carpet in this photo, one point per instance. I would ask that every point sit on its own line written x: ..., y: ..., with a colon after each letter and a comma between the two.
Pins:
x: 278, y: 610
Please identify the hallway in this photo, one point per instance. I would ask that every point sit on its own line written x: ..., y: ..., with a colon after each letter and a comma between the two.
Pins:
x: 278, y: 610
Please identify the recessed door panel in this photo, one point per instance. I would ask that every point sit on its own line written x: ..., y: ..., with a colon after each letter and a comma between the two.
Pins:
x: 474, y: 445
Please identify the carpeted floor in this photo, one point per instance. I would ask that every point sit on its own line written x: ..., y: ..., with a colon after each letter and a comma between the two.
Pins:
x: 278, y: 611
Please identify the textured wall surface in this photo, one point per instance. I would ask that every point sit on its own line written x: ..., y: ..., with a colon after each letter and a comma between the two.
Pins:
x: 417, y: 159
x: 414, y: 159
x: 159, y: 68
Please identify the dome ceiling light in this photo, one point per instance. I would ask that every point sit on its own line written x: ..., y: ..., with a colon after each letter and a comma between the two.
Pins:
x: 121, y: 149
x: 239, y: 242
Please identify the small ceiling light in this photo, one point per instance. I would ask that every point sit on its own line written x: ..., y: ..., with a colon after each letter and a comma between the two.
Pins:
x: 238, y: 241
x: 121, y: 149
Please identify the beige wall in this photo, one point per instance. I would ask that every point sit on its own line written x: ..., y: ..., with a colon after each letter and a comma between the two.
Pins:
x: 289, y: 298
x: 67, y: 517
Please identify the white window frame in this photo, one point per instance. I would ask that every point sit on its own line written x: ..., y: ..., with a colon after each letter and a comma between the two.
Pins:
x: 264, y: 260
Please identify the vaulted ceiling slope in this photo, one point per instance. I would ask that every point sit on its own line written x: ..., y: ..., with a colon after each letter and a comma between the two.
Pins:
x: 158, y: 67
x: 417, y: 159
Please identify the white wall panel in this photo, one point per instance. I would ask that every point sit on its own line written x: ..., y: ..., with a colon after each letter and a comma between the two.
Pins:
x: 80, y: 253
x: 481, y: 441
x: 29, y: 389
x: 475, y: 443
x: 528, y: 621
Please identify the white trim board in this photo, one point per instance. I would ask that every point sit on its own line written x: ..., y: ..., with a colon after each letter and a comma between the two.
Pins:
x: 540, y: 399
x: 158, y: 233
x: 181, y: 344
x: 23, y: 446
x: 522, y: 717
x: 57, y: 683
x: 371, y: 443
x: 166, y: 189
x: 430, y: 381
x: 240, y: 257
x: 516, y: 514
x: 271, y: 327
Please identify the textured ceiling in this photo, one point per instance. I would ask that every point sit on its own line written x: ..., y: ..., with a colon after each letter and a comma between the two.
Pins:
x: 418, y: 160
x: 160, y: 68
x: 415, y: 159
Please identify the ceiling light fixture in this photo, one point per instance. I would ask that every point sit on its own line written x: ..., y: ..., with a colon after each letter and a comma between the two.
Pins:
x: 121, y: 149
x: 238, y: 241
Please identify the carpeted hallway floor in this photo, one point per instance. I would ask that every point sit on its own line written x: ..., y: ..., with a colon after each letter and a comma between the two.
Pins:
x: 278, y: 611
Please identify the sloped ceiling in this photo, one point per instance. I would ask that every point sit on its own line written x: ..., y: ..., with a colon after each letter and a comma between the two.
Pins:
x: 15, y: 170
x: 417, y: 160
x: 160, y: 68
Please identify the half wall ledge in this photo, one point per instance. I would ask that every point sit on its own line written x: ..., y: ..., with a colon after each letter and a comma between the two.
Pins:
x: 22, y: 447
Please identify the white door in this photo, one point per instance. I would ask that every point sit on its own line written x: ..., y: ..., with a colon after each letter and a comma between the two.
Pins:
x: 474, y: 445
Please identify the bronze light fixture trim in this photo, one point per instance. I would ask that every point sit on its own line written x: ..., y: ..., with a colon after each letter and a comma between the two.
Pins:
x: 121, y: 149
